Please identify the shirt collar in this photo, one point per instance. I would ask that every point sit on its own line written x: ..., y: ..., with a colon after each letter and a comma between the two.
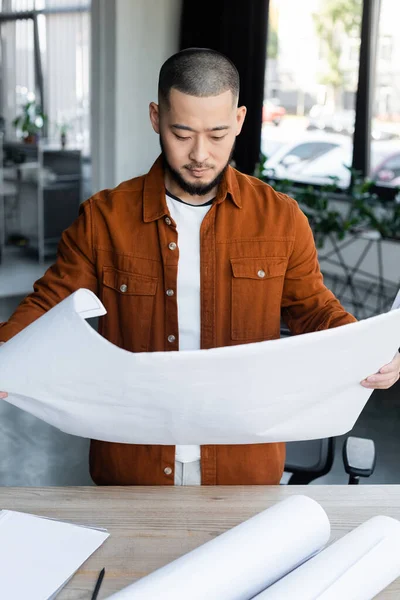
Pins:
x: 154, y: 202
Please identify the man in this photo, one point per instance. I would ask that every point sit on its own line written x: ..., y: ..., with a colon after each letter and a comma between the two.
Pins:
x: 192, y: 255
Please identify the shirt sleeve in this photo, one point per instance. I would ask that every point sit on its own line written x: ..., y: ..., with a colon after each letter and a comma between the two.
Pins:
x: 307, y: 304
x: 73, y: 269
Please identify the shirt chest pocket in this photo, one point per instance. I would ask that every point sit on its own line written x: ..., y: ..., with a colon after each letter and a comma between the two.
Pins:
x: 256, y: 296
x: 129, y: 300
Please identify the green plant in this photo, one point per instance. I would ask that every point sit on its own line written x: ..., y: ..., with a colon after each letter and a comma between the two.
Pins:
x: 371, y: 212
x: 324, y: 219
x: 63, y: 128
x: 364, y: 210
x: 31, y: 120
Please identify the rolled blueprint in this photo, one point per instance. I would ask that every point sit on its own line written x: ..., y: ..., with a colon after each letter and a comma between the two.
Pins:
x: 357, y: 567
x: 242, y: 561
x: 62, y: 371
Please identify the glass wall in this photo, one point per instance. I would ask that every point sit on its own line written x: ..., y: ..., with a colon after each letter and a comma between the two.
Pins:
x: 385, y: 143
x: 310, y: 89
x: 61, y: 62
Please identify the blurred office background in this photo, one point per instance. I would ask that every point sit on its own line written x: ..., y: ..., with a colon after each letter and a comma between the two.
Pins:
x: 321, y: 79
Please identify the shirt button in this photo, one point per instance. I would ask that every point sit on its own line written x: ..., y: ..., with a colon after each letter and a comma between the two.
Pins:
x: 172, y: 246
x: 170, y: 292
x: 168, y: 470
x: 171, y: 339
x: 123, y: 287
x: 261, y: 273
x: 168, y: 221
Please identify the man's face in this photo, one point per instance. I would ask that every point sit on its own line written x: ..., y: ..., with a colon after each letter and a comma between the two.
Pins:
x: 197, y: 136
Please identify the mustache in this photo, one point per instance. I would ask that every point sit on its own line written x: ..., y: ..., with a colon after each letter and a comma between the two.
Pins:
x: 195, y: 166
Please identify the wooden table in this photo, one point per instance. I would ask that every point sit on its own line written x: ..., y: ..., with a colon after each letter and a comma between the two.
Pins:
x: 150, y: 526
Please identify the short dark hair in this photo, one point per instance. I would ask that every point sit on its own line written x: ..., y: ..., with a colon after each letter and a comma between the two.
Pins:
x: 198, y: 72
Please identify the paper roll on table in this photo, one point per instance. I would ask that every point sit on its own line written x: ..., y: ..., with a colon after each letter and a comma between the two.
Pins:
x: 356, y: 567
x: 280, y: 552
x: 241, y: 562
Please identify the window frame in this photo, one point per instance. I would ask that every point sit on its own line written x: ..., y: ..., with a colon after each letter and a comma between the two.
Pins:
x: 364, y: 98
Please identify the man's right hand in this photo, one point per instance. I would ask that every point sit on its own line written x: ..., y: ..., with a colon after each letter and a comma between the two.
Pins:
x: 3, y: 395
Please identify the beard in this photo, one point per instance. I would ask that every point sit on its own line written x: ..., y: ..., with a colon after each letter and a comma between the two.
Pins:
x: 193, y: 189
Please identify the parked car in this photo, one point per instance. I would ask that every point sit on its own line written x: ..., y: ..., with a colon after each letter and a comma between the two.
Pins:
x: 273, y: 112
x: 388, y: 170
x: 316, y: 158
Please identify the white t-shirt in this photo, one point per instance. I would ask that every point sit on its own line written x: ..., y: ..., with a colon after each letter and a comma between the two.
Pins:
x: 188, y: 219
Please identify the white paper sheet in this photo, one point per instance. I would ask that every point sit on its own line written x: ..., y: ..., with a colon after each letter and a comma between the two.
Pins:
x: 396, y: 303
x: 356, y: 567
x: 38, y: 556
x: 239, y: 563
x: 305, y: 387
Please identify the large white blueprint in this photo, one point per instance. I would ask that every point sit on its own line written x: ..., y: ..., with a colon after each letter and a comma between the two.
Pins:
x: 278, y: 555
x: 62, y: 371
x: 396, y: 303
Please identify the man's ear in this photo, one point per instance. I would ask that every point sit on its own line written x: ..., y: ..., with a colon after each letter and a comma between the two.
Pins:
x: 154, y: 112
x: 240, y: 117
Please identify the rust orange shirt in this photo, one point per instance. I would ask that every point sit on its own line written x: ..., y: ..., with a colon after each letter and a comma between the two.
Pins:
x: 258, y: 264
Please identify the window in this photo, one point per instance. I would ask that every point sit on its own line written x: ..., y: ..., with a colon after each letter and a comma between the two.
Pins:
x: 67, y: 72
x: 311, y: 150
x: 318, y: 83
x: 354, y: 50
x: 385, y: 48
x: 17, y: 68
x: 55, y: 74
x: 312, y: 84
x: 388, y: 171
x: 306, y: 161
x: 385, y: 142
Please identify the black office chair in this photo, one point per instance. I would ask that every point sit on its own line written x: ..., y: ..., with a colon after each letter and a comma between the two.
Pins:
x: 309, y: 460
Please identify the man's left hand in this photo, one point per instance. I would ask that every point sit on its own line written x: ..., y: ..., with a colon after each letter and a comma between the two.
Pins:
x: 386, y: 376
